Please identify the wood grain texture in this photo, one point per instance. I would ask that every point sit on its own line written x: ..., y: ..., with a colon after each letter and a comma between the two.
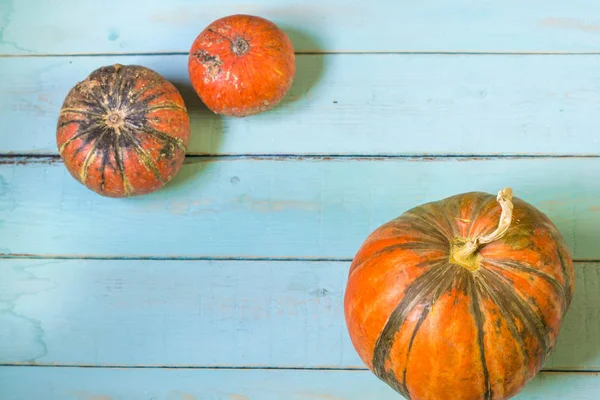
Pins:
x: 212, y: 313
x: 32, y: 27
x: 265, y: 313
x: 185, y: 384
x: 352, y: 104
x: 240, y: 207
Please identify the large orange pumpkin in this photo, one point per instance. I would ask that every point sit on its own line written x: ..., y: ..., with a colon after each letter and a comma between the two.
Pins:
x: 241, y: 65
x: 123, y: 131
x: 461, y: 298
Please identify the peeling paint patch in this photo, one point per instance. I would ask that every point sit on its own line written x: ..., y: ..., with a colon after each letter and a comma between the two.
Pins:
x: 91, y: 396
x: 24, y: 341
x: 113, y: 35
x: 238, y: 397
x: 319, y: 396
x: 6, y: 11
x: 571, y: 23
x: 177, y: 395
x: 277, y: 205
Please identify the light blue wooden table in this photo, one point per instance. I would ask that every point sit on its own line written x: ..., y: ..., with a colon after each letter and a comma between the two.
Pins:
x: 228, y: 283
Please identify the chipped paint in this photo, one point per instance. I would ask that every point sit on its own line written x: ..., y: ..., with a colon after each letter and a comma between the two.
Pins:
x: 238, y: 397
x: 571, y: 23
x: 82, y: 395
x: 318, y: 396
x: 269, y: 205
x: 26, y: 327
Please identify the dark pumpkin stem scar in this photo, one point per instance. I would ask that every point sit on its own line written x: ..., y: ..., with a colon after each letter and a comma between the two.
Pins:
x: 114, y: 120
x: 240, y: 46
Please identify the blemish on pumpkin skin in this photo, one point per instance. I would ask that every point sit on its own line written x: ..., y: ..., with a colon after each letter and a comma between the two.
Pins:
x: 211, y: 63
x: 222, y: 36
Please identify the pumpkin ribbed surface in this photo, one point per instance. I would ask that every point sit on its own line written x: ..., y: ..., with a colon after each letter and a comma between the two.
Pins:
x: 123, y: 131
x: 434, y: 328
x: 241, y: 65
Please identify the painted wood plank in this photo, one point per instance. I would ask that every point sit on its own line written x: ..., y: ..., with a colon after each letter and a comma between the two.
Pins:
x: 189, y: 384
x: 32, y: 27
x: 212, y: 313
x: 352, y: 104
x: 240, y: 207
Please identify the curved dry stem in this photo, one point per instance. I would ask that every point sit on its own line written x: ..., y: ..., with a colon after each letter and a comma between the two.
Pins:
x: 464, y: 253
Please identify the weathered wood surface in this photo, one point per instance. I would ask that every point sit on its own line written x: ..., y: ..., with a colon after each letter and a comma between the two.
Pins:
x: 49, y: 27
x: 252, y: 318
x: 212, y: 313
x: 18, y: 383
x: 311, y: 208
x: 352, y: 104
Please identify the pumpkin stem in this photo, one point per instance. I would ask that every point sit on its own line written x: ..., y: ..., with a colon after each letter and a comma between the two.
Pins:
x: 505, y: 199
x: 464, y: 251
x: 114, y: 119
x: 240, y: 46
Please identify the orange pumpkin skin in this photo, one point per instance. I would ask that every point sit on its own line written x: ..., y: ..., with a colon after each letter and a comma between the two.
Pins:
x: 241, y: 65
x: 123, y: 131
x: 433, y: 329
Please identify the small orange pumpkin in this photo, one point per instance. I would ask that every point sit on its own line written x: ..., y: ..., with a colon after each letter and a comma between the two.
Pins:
x: 461, y: 298
x: 241, y: 65
x: 123, y: 131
